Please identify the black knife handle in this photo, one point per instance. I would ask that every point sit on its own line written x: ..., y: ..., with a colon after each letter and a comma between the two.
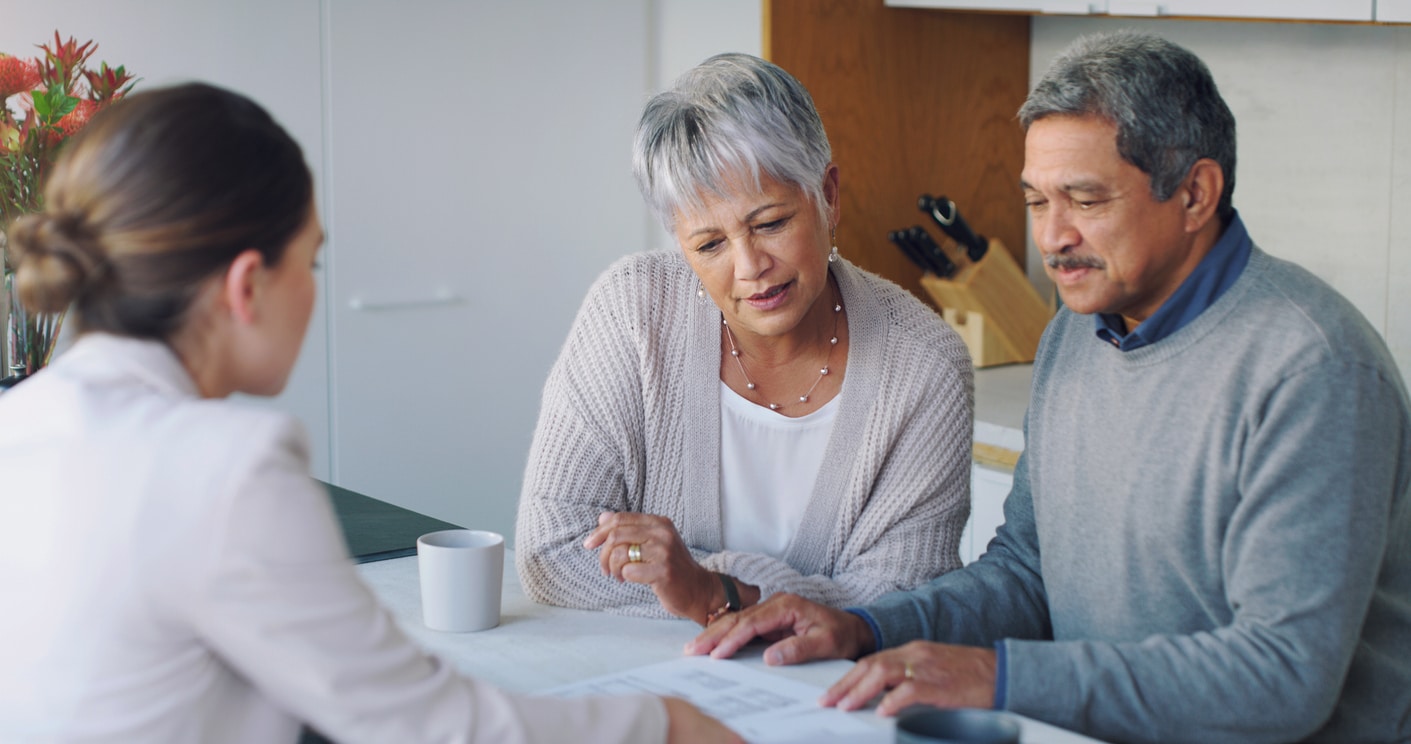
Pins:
x: 944, y: 212
x: 929, y: 247
x: 899, y: 239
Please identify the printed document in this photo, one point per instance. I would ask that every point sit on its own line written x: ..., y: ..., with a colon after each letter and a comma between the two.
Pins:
x: 762, y: 708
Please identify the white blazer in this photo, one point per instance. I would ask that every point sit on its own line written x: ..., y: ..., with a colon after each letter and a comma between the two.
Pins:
x: 171, y: 573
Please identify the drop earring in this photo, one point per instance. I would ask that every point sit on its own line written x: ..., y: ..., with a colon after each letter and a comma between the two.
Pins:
x: 833, y: 254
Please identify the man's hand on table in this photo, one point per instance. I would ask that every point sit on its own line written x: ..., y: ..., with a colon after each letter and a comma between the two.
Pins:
x: 919, y: 672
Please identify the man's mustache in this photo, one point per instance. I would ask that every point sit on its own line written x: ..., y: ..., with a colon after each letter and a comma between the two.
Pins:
x: 1063, y: 261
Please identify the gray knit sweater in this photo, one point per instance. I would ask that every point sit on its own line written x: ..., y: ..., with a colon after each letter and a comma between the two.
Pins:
x: 1213, y: 531
x: 630, y: 421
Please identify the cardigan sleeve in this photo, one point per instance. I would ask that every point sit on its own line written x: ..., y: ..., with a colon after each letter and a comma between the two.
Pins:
x: 577, y: 469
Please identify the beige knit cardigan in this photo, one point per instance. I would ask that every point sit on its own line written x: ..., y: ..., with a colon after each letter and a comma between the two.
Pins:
x: 630, y: 421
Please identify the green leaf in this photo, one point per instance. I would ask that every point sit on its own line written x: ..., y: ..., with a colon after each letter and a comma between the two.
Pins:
x: 54, y: 105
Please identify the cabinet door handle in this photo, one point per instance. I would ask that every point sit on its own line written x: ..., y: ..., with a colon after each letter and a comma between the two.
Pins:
x: 441, y: 296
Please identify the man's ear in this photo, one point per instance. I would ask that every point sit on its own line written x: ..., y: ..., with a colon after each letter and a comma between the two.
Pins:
x: 241, y: 287
x: 1201, y: 193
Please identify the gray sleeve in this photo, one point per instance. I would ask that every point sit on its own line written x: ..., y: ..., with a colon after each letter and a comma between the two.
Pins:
x: 1301, y: 558
x: 1001, y: 595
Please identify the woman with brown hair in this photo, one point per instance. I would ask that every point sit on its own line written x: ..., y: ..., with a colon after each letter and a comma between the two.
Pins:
x: 172, y: 572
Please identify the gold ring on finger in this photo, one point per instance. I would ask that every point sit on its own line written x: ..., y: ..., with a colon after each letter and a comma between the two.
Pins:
x: 634, y: 552
x: 908, y: 672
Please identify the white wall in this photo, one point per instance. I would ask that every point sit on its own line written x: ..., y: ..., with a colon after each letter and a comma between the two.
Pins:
x: 1324, y: 119
x: 684, y: 34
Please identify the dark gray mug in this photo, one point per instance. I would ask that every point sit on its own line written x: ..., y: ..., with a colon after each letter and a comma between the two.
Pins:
x: 926, y: 725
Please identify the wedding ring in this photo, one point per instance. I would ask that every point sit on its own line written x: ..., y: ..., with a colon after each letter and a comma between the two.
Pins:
x: 634, y: 552
x: 908, y: 672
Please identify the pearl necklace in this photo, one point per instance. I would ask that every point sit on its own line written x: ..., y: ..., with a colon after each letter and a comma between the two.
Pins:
x: 822, y: 373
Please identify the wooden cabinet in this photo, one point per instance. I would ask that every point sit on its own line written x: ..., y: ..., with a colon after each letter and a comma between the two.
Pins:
x: 914, y: 101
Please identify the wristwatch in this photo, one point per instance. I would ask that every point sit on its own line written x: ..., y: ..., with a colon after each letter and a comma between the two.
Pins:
x: 732, y: 599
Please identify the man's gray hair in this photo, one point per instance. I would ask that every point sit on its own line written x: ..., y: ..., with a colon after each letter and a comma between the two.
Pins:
x: 1161, y: 97
x: 732, y: 116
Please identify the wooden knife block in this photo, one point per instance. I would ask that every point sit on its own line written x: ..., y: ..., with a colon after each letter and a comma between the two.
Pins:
x: 993, y: 307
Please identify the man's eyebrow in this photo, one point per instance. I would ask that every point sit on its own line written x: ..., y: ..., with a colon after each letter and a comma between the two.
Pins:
x: 1086, y: 186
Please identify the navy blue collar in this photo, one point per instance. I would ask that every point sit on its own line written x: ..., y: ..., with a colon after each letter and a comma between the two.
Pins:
x: 1212, y: 276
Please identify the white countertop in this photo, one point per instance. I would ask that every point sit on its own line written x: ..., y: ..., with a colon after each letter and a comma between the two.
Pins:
x: 537, y: 647
x: 1001, y: 398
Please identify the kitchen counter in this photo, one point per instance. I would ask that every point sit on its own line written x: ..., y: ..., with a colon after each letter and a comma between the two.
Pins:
x: 1001, y: 397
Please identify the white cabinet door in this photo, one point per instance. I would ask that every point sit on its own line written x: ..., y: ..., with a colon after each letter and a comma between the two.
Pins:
x: 1312, y: 10
x: 988, y: 490
x: 1032, y: 6
x: 481, y: 180
x: 1394, y: 11
x: 1079, y: 7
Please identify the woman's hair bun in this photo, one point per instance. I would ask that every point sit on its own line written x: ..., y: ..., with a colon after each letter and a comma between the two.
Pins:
x: 57, y: 258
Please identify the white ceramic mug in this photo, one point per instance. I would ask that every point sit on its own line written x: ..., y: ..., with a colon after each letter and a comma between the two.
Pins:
x: 461, y: 576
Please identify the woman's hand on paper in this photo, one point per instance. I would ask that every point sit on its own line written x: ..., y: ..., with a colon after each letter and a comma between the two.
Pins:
x: 800, y: 629
x: 920, y: 672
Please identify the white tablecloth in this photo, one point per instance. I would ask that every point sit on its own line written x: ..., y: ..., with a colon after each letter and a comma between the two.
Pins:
x: 537, y: 647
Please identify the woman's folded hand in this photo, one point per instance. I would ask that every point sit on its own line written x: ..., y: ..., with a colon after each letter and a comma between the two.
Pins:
x: 647, y: 549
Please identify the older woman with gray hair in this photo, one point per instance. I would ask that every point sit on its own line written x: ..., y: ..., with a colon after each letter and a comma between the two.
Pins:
x: 751, y: 414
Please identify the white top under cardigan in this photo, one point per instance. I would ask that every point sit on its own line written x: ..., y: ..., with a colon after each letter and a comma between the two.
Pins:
x: 768, y: 465
x: 630, y: 421
x: 171, y: 573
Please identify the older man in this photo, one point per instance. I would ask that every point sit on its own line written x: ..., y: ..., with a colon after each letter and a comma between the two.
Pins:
x: 1209, y: 535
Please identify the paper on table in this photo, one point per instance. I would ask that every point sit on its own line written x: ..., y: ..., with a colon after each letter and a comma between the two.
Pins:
x: 763, y: 708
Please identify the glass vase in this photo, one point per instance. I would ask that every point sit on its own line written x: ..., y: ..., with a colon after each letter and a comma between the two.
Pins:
x: 29, y: 337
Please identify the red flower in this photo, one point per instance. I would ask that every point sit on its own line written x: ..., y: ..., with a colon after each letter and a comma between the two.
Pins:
x: 107, y: 83
x: 64, y: 62
x: 78, y: 118
x: 17, y: 75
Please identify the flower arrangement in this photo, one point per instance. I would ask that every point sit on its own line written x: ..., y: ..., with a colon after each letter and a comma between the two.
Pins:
x: 44, y: 101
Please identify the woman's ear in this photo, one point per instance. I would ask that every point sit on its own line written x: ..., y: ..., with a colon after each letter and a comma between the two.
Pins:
x: 831, y: 194
x: 241, y: 288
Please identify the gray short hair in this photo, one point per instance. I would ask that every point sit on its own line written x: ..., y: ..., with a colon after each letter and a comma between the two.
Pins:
x: 1161, y: 97
x: 732, y: 115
